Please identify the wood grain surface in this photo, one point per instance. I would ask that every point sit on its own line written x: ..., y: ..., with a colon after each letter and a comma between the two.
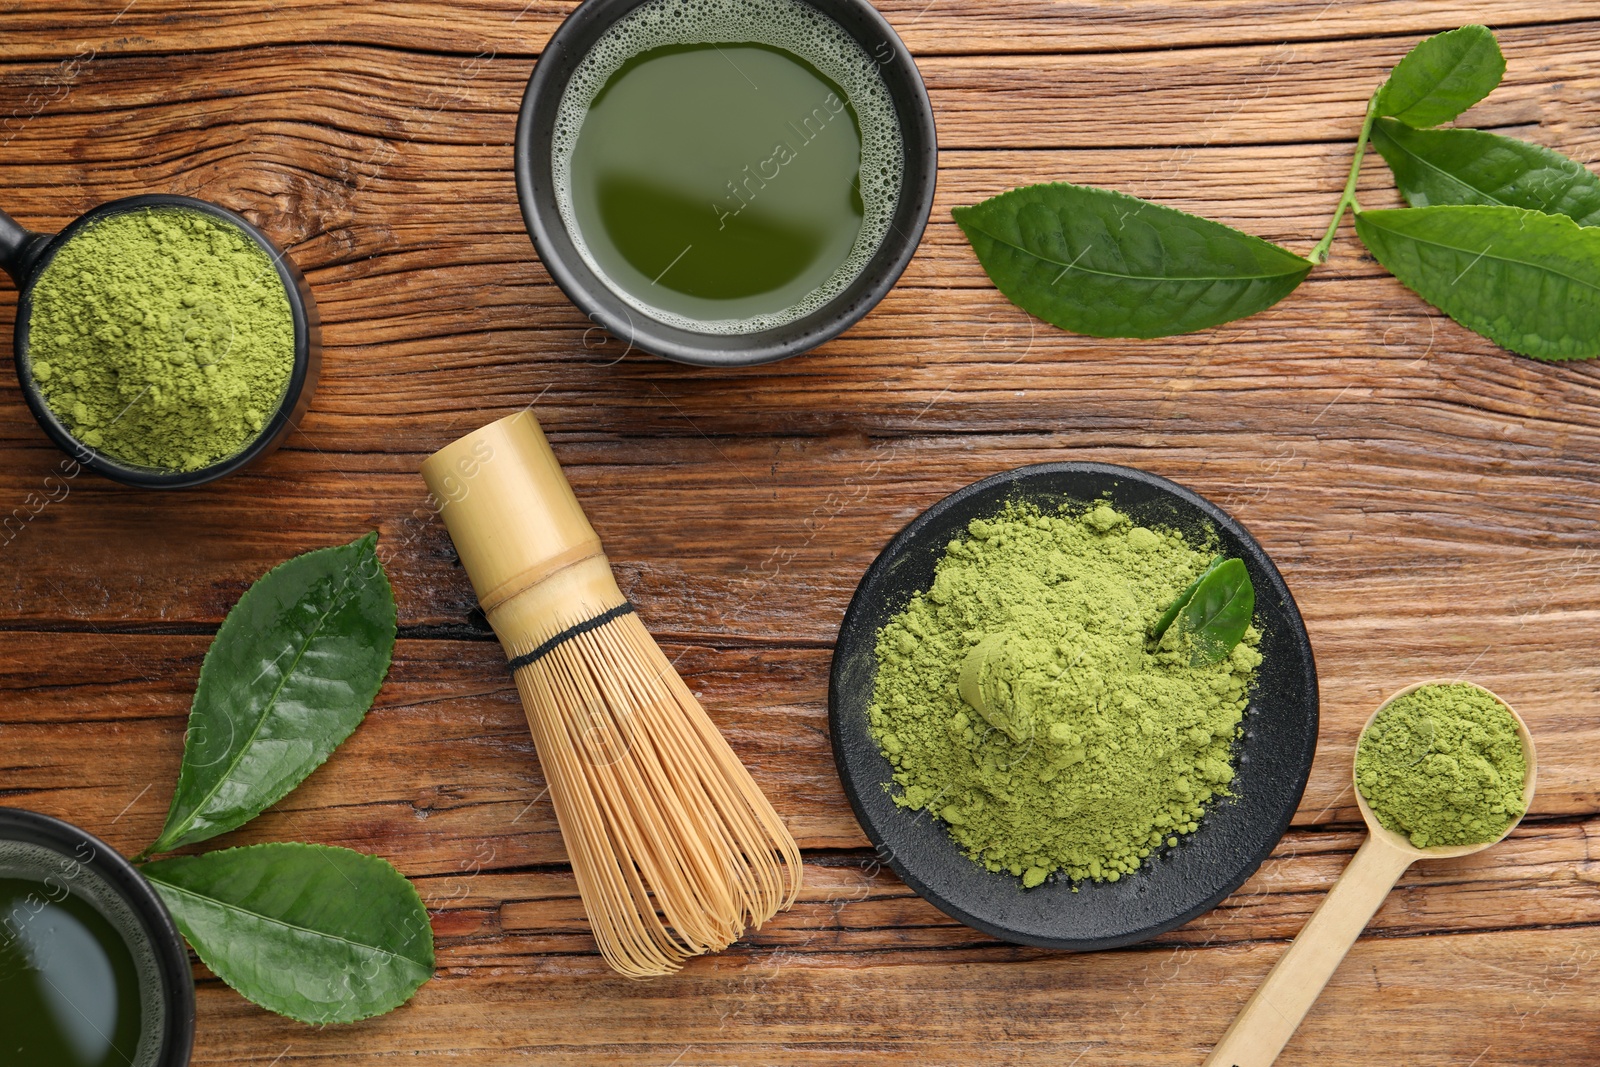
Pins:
x: 1433, y: 502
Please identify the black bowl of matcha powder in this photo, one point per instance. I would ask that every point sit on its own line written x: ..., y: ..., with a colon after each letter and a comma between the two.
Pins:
x: 161, y: 342
x: 1025, y: 741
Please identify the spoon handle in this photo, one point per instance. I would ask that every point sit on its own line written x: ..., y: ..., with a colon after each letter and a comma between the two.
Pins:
x: 1271, y: 1016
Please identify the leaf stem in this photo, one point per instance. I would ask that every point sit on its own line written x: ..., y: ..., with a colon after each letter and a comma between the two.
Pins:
x: 1348, y: 199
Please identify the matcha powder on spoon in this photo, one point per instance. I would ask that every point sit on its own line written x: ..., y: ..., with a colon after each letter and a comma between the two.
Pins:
x: 1093, y: 747
x: 161, y: 337
x: 1443, y: 765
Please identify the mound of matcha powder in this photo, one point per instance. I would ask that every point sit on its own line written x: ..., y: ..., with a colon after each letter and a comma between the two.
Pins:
x: 161, y: 337
x: 1444, y: 766
x: 1094, y: 748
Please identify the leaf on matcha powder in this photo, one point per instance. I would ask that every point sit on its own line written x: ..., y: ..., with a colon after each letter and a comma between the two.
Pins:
x: 1526, y: 280
x: 1218, y: 614
x: 292, y: 671
x: 1475, y: 167
x: 1443, y: 76
x: 1111, y: 265
x: 1171, y: 614
x: 317, y: 933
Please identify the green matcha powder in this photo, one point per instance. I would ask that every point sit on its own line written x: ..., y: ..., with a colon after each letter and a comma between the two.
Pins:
x: 1444, y: 766
x: 1093, y: 747
x: 162, y: 338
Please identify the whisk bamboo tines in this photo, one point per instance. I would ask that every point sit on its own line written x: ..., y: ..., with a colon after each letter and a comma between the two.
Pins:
x: 675, y: 849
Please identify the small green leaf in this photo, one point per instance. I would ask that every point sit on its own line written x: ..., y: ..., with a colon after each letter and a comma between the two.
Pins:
x: 320, y: 934
x: 1443, y: 76
x: 1110, y: 265
x: 1526, y: 280
x: 1475, y: 167
x: 292, y: 671
x: 1218, y: 614
x: 1168, y: 616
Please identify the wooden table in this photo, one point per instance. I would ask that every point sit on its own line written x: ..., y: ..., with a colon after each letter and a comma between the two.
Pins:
x: 1432, y: 501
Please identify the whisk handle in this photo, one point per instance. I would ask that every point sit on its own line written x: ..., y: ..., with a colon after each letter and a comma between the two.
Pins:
x: 511, y: 513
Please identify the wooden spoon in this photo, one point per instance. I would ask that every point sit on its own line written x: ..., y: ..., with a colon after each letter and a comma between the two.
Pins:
x: 1271, y: 1016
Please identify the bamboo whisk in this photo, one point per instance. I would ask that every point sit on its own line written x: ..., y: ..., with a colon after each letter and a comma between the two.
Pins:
x: 675, y: 849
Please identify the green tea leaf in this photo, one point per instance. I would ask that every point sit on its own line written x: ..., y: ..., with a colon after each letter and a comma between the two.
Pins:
x: 1103, y: 263
x: 291, y: 673
x: 320, y: 934
x: 1443, y: 76
x: 1475, y: 167
x: 1218, y: 614
x: 1168, y: 616
x: 1526, y: 280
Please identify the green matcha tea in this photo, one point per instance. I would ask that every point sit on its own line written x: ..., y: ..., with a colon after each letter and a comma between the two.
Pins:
x: 727, y: 166
x: 69, y: 986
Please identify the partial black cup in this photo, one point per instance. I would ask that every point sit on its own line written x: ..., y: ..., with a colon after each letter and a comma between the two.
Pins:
x: 536, y: 193
x: 66, y: 860
x: 24, y: 254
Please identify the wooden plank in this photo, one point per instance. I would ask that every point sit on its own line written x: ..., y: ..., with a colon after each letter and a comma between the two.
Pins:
x: 93, y: 728
x: 128, y: 112
x: 1358, y: 523
x: 923, y: 364
x: 1521, y: 997
x: 1543, y: 876
x: 381, y: 277
x: 520, y: 27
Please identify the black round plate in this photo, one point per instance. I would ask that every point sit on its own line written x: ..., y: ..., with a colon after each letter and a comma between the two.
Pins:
x: 1273, y: 758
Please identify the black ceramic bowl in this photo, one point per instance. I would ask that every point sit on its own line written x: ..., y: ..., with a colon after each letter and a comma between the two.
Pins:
x: 65, y: 859
x: 24, y: 254
x: 536, y: 193
x: 1177, y: 884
